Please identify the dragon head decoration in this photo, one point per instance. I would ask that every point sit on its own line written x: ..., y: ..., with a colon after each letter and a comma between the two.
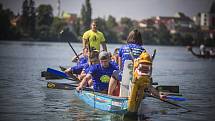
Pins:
x: 142, y: 65
x: 141, y: 80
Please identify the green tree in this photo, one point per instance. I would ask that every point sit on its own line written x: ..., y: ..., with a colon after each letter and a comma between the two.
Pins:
x: 212, y: 11
x: 111, y: 22
x: 24, y: 18
x: 28, y: 18
x: 126, y: 21
x: 83, y: 28
x: 109, y: 33
x: 111, y: 30
x: 56, y: 27
x: 77, y: 27
x: 210, y: 42
x: 176, y: 39
x: 148, y: 35
x: 44, y: 21
x: 86, y: 13
x: 6, y: 31
x: 32, y: 17
x: 163, y: 35
x: 188, y: 39
x: 127, y: 25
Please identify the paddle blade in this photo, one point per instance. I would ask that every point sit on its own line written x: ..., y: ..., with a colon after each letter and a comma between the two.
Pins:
x: 62, y: 68
x: 64, y: 86
x: 48, y: 75
x: 164, y: 88
x: 56, y: 72
x: 175, y: 98
x: 43, y: 74
x: 169, y: 102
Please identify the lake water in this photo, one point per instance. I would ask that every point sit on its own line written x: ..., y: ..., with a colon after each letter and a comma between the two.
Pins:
x: 24, y: 96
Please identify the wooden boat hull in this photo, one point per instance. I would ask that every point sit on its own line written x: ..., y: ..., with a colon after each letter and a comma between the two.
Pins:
x: 104, y: 102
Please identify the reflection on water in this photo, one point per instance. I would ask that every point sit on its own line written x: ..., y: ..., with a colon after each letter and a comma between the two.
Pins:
x: 24, y: 96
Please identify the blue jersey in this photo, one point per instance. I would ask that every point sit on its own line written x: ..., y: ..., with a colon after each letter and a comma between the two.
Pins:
x: 126, y: 50
x: 80, y: 65
x: 114, y: 63
x: 82, y: 60
x: 78, y: 68
x: 101, y: 76
x: 86, y: 68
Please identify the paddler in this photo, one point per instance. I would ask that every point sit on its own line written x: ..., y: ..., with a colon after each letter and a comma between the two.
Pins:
x: 100, y: 73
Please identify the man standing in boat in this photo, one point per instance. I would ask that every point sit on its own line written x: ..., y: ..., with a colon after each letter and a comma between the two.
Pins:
x: 202, y: 49
x: 100, y: 73
x: 94, y: 38
x: 91, y: 41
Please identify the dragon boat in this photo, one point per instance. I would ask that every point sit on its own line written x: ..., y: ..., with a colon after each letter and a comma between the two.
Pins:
x: 136, y: 79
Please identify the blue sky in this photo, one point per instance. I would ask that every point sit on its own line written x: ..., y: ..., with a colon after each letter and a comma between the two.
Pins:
x: 135, y: 9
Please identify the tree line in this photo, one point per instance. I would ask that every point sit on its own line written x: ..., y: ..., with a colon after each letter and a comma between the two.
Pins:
x: 39, y: 24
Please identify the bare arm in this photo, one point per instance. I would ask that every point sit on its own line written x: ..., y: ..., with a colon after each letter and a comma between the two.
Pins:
x: 75, y: 59
x: 104, y: 47
x: 85, y: 43
x: 84, y: 81
x: 153, y: 91
x: 82, y: 75
x: 120, y: 63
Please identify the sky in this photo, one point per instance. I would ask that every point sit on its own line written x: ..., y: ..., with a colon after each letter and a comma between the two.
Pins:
x: 134, y: 9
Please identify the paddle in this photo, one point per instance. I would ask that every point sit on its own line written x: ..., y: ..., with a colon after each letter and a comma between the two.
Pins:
x: 62, y: 74
x: 56, y: 72
x: 62, y: 68
x: 73, y: 76
x: 154, y: 53
x: 43, y: 74
x: 175, y: 98
x: 65, y: 86
x: 169, y: 102
x: 61, y: 33
x: 165, y: 88
x: 169, y: 90
x: 48, y: 75
x: 153, y: 56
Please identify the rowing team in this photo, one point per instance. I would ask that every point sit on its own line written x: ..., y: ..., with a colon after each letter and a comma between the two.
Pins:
x: 104, y: 72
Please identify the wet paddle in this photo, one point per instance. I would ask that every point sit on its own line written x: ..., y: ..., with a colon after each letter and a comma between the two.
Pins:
x: 169, y: 102
x: 61, y: 33
x: 65, y: 86
x: 175, y: 98
x: 170, y: 92
x: 62, y: 74
x: 165, y: 88
x: 48, y: 75
x: 154, y: 53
